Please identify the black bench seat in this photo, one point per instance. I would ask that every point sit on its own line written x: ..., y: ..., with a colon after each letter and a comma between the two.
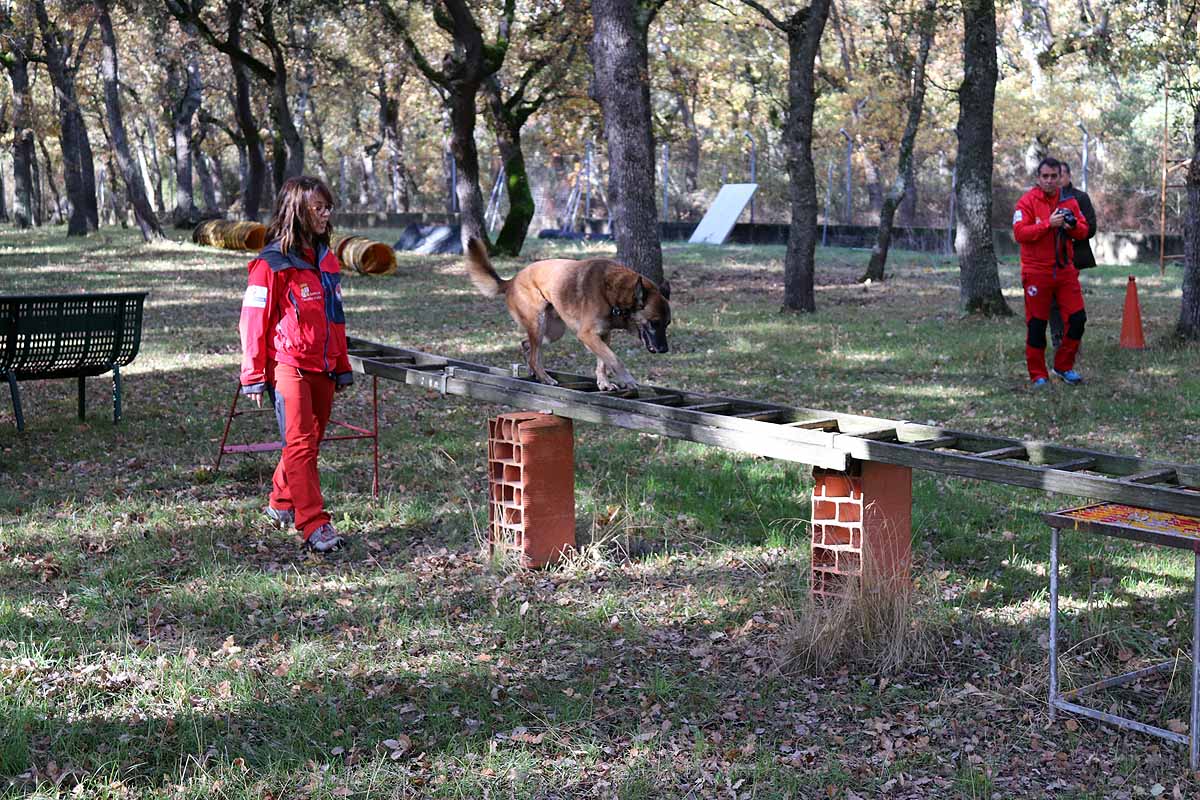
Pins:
x: 68, y: 336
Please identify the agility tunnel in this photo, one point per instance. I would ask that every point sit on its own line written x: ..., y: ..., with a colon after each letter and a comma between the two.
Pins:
x: 231, y: 235
x: 366, y: 256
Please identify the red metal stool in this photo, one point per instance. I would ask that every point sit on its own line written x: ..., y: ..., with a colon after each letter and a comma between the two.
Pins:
x: 265, y: 447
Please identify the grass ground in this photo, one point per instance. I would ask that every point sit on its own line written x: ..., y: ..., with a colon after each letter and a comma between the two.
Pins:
x: 158, y: 639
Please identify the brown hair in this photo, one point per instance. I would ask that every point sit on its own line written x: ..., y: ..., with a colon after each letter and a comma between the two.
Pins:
x: 293, y: 222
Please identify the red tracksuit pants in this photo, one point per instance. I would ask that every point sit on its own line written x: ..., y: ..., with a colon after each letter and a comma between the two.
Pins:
x: 1040, y: 287
x: 303, y: 401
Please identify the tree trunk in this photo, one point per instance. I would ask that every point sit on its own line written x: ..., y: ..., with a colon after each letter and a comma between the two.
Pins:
x: 389, y: 129
x: 289, y: 144
x: 367, y: 187
x: 908, y: 206
x: 466, y: 160
x: 873, y: 183
x: 521, y: 207
x: 343, y: 189
x: 207, y: 188
x: 87, y: 162
x: 904, y: 167
x: 35, y: 178
x: 622, y: 87
x: 150, y: 146
x: 979, y: 275
x: 120, y: 204
x: 804, y: 30
x: 217, y: 168
x: 17, y: 65
x: 685, y: 103
x: 146, y: 220
x: 1188, y: 328
x: 62, y: 77
x: 185, y: 214
x: 56, y: 213
x: 507, y: 124
x: 256, y: 165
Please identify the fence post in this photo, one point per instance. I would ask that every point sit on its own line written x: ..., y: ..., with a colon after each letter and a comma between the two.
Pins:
x: 587, y: 188
x: 753, y: 170
x: 849, y: 175
x: 666, y: 159
x: 828, y: 203
x: 953, y: 194
x: 1083, y: 169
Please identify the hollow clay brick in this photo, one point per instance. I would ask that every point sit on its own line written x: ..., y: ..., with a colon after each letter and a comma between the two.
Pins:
x: 535, y: 464
x: 873, y: 537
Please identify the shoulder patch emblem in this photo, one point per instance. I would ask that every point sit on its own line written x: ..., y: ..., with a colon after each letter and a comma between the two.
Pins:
x: 1016, y: 216
x: 256, y: 297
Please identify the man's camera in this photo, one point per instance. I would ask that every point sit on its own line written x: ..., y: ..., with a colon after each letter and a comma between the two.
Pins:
x: 1068, y: 217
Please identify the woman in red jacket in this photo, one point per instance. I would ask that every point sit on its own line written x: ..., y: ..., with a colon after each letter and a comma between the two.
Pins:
x: 293, y: 334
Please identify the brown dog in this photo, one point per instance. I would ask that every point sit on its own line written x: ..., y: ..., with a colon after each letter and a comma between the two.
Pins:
x: 592, y: 298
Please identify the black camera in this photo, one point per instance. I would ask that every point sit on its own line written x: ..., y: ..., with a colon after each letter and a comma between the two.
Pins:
x: 1068, y: 217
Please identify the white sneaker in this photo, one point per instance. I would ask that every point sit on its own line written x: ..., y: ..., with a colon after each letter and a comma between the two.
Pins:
x: 324, y: 539
x: 283, y: 517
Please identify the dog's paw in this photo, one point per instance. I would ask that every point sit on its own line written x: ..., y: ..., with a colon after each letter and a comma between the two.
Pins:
x: 619, y: 386
x: 546, y: 379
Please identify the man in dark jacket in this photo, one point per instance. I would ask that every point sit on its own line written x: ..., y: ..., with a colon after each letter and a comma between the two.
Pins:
x: 1083, y: 248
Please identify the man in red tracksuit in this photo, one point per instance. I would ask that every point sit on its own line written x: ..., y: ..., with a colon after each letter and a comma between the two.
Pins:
x: 1044, y: 225
x: 293, y: 332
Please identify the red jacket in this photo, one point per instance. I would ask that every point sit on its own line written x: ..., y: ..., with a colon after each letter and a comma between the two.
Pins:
x: 292, y: 314
x: 1038, y: 241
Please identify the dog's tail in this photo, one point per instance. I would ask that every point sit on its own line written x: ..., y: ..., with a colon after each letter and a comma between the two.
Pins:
x: 479, y: 267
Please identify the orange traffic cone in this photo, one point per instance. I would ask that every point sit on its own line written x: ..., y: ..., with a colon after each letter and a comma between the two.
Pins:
x: 1131, y: 320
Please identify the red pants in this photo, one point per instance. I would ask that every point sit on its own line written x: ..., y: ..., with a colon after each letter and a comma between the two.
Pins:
x: 1040, y: 288
x: 306, y: 399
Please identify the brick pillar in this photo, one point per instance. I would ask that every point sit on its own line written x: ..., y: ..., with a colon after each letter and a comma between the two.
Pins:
x: 861, y: 527
x: 531, y: 486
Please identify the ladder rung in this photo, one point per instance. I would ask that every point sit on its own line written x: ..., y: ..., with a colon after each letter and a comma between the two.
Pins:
x: 822, y: 423
x: 1073, y: 465
x: 938, y: 441
x: 661, y: 399
x: 390, y: 359
x: 1161, y: 475
x: 877, y: 433
x: 760, y: 414
x: 707, y: 407
x: 1016, y: 451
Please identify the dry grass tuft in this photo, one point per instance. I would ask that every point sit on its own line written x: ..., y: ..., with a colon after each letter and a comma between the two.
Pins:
x: 886, y: 631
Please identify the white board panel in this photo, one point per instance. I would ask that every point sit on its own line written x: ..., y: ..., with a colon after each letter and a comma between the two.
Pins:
x: 723, y: 213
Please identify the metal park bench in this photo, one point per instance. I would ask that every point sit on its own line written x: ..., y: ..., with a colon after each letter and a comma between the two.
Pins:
x: 68, y: 336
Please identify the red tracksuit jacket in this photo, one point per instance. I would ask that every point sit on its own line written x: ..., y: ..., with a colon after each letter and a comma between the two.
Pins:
x: 1031, y: 229
x: 292, y: 314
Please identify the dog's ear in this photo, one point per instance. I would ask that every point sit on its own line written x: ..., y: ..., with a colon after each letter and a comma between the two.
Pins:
x: 639, y: 294
x: 665, y: 289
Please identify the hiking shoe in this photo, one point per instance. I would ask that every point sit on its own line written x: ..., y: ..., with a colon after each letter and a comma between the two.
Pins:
x: 324, y: 539
x: 1039, y: 383
x: 1070, y: 376
x: 283, y: 517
